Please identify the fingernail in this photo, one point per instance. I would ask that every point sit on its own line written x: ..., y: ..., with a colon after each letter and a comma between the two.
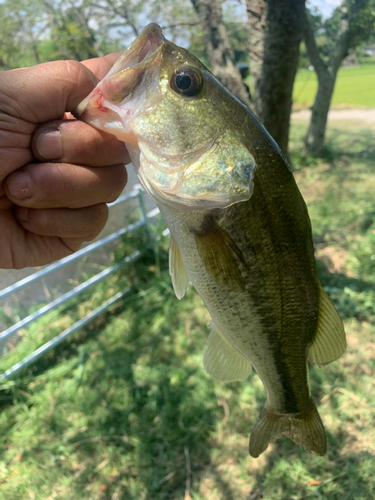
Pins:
x: 19, y: 185
x: 48, y: 145
x: 22, y: 214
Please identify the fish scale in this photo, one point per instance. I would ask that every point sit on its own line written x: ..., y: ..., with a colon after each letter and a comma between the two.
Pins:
x: 240, y: 230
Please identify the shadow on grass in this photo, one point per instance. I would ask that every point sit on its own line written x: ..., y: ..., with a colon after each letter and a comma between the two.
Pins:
x: 147, y: 406
x: 152, y: 415
x: 339, y: 280
x: 341, y: 146
x: 344, y: 145
x: 164, y: 410
x: 293, y: 474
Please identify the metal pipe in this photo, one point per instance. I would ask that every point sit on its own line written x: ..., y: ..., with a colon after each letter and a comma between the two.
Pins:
x: 62, y: 336
x: 67, y: 296
x: 144, y: 213
x: 71, y: 258
x: 125, y: 197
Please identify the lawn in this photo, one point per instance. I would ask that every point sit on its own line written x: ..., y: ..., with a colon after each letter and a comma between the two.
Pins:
x: 354, y: 87
x: 125, y: 410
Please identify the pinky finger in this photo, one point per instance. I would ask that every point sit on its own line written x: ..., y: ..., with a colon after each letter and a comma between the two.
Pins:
x: 81, y: 224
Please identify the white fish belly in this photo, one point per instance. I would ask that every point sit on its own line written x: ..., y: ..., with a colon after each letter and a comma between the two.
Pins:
x: 233, y: 312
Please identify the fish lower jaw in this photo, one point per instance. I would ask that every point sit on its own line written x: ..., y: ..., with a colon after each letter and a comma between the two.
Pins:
x: 173, y: 198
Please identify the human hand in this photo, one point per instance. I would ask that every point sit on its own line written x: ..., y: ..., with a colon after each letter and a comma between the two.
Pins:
x: 55, y: 177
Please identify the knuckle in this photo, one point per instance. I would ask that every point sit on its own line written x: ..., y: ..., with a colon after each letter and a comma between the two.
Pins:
x: 81, y: 142
x: 118, y: 180
x: 98, y: 216
x: 38, y: 221
x: 72, y: 69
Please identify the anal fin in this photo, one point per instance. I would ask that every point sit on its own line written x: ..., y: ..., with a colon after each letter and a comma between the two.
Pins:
x: 177, y: 270
x: 222, y: 361
x: 330, y: 342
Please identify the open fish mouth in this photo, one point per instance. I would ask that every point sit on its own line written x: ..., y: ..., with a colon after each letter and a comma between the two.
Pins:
x: 141, y: 52
x: 141, y: 56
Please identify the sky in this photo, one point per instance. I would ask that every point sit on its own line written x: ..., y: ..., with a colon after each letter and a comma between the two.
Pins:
x: 325, y: 6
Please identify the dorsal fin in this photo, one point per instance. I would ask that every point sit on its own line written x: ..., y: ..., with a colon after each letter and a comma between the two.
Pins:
x: 220, y: 255
x: 177, y: 270
x: 330, y: 342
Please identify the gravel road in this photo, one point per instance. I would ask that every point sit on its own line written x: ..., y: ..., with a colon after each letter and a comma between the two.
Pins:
x: 363, y: 115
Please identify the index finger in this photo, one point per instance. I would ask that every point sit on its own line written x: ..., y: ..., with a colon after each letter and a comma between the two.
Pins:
x: 101, y: 65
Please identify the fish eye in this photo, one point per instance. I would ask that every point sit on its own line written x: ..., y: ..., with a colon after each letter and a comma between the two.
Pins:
x: 186, y: 81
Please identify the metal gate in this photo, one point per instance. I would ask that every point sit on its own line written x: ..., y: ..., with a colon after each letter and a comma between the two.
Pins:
x: 138, y: 194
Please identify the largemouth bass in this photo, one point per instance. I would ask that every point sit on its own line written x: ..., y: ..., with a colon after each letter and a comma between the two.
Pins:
x: 240, y: 231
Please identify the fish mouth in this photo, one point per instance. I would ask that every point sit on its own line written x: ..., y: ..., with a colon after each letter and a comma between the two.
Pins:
x: 124, y: 76
x: 141, y: 53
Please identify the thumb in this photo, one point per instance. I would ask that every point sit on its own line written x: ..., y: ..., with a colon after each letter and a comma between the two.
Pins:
x: 45, y: 91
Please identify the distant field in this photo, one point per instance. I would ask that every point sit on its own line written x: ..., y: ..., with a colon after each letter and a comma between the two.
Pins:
x: 354, y: 87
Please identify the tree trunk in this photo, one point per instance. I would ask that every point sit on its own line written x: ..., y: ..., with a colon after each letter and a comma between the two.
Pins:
x: 274, y: 85
x: 327, y: 73
x: 314, y: 139
x: 256, y: 15
x: 218, y: 47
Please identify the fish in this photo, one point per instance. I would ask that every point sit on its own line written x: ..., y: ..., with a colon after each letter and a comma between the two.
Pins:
x: 240, y: 229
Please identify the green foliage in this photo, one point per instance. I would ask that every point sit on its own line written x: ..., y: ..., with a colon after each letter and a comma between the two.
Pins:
x: 72, y: 36
x: 328, y: 31
x: 40, y: 31
x: 44, y: 30
x: 365, y: 23
x: 19, y: 31
x: 325, y: 32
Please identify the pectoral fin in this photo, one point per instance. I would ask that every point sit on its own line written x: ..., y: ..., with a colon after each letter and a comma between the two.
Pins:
x: 330, y: 342
x: 220, y: 255
x: 177, y: 270
x: 222, y: 361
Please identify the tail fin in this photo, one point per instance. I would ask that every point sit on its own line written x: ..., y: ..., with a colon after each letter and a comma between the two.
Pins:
x: 306, y: 430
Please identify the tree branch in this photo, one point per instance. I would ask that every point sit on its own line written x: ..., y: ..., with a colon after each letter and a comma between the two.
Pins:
x: 348, y: 32
x: 169, y: 26
x: 312, y: 48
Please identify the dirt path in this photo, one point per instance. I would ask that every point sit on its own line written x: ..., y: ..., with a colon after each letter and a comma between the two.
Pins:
x: 362, y: 115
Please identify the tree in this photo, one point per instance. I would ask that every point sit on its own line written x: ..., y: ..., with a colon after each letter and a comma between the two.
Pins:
x: 256, y: 14
x: 33, y: 31
x: 275, y: 34
x: 349, y: 25
x: 21, y: 27
x: 218, y: 48
x: 72, y: 35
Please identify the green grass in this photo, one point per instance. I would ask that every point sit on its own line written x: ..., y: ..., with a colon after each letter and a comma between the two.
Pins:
x: 354, y: 87
x: 125, y: 410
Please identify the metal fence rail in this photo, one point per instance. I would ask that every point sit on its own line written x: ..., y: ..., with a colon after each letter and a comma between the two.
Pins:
x: 9, y: 332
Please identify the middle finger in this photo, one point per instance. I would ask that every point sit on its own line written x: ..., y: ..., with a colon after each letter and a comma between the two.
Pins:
x: 58, y: 185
